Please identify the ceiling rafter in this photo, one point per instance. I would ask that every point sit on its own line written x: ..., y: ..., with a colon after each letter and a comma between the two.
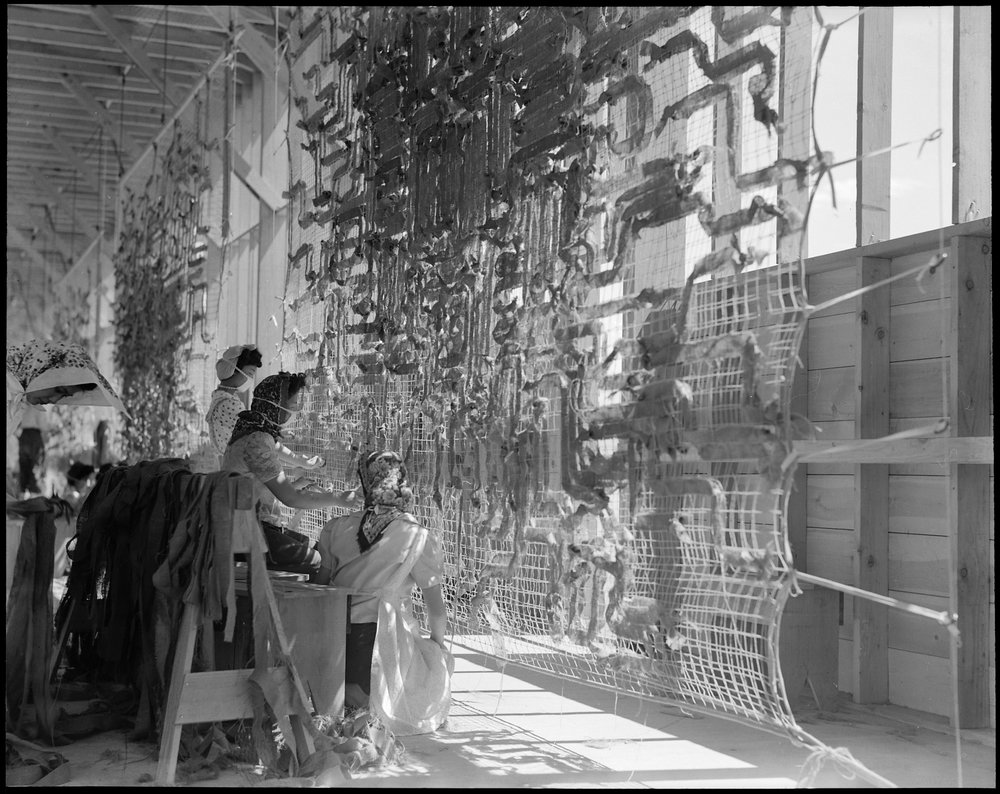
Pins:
x: 64, y: 204
x: 101, y: 114
x: 30, y: 218
x: 68, y: 104
x: 72, y: 158
x: 25, y: 244
x: 136, y: 54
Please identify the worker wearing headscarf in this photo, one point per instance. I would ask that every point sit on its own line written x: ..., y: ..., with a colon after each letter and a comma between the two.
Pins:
x: 381, y: 552
x: 254, y: 450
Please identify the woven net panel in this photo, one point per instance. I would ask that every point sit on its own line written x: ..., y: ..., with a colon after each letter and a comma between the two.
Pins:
x: 533, y: 250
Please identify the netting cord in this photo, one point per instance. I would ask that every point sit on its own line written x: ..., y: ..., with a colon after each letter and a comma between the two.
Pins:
x: 503, y: 671
x: 847, y: 766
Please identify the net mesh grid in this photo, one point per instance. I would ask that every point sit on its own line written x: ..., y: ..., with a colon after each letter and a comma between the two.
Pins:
x: 578, y: 534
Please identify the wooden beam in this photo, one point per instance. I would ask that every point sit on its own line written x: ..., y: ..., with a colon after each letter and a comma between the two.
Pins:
x: 65, y: 205
x: 871, y: 485
x: 169, y: 125
x: 72, y: 158
x: 929, y: 242
x: 972, y: 142
x: 970, y: 498
x: 20, y: 241
x: 106, y: 22
x: 44, y: 227
x: 101, y: 114
x: 900, y: 450
x: 258, y: 50
x: 874, y: 123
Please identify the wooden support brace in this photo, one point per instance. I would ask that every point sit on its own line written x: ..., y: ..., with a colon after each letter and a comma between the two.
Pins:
x: 871, y: 484
x: 970, y: 398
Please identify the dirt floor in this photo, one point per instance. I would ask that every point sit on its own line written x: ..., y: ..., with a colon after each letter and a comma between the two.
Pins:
x: 522, y: 729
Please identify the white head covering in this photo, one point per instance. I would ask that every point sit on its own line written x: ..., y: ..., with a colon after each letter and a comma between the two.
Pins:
x: 225, y: 367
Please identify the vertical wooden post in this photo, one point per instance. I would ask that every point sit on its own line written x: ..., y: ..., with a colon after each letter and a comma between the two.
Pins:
x: 972, y: 142
x: 794, y: 141
x: 970, y: 399
x: 871, y: 484
x: 874, y: 122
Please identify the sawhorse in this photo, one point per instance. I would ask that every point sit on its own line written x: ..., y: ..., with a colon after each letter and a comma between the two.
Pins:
x: 226, y: 694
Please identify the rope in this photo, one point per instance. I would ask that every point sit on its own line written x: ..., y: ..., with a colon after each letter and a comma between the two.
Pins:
x: 846, y: 764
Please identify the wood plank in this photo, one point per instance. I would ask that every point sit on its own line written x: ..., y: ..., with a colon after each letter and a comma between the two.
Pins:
x: 114, y: 29
x: 916, y: 388
x: 972, y: 175
x: 874, y: 124
x: 930, y: 286
x: 170, y: 738
x: 831, y: 343
x: 217, y: 695
x: 916, y: 634
x: 831, y: 502
x: 71, y: 157
x: 830, y: 284
x: 101, y: 114
x: 918, y: 330
x: 916, y: 450
x: 871, y: 481
x: 919, y: 564
x: 921, y: 682
x: 921, y: 241
x: 827, y: 432
x: 831, y: 553
x: 918, y: 505
x: 970, y: 502
x: 831, y: 394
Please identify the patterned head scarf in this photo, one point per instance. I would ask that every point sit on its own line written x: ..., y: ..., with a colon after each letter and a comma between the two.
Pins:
x: 265, y: 409
x: 387, y: 495
x: 40, y: 364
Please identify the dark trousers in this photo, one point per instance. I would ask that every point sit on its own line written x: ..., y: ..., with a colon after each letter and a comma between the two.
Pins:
x: 30, y: 456
x: 360, y: 648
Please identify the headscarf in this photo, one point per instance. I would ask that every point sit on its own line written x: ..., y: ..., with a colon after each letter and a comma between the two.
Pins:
x: 387, y: 496
x: 40, y: 364
x: 265, y: 409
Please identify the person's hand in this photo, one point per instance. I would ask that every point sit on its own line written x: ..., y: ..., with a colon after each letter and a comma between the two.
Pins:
x: 352, y: 500
x: 315, y: 462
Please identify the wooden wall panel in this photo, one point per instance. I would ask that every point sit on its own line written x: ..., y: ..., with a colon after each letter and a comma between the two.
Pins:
x: 918, y: 505
x: 918, y: 564
x: 915, y: 389
x: 833, y: 431
x: 831, y: 394
x: 932, y: 286
x: 831, y: 554
x: 830, y: 342
x: 828, y: 285
x: 831, y: 501
x: 917, y: 330
x: 897, y: 425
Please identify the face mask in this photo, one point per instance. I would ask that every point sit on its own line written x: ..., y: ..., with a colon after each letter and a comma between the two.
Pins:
x: 247, y: 384
x: 291, y: 411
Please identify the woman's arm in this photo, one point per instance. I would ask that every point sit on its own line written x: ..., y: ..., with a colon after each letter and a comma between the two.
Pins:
x: 437, y: 613
x: 306, y: 499
x: 297, y: 461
